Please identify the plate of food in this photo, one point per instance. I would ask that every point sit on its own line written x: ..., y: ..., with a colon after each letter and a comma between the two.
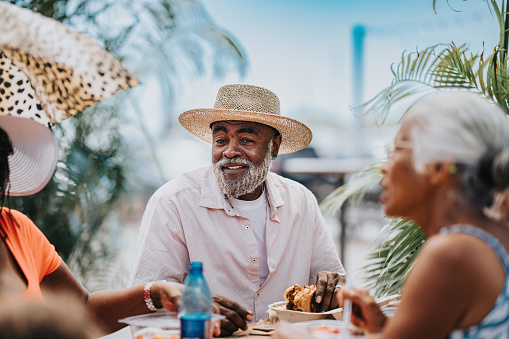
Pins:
x: 297, y: 316
x: 299, y: 305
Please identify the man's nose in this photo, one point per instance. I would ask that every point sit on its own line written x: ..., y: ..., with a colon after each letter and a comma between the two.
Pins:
x: 232, y: 151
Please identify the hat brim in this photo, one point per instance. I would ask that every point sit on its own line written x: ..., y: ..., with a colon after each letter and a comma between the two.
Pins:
x: 294, y: 134
x: 35, y: 155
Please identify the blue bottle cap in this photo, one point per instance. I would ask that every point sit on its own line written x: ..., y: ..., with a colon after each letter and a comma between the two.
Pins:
x: 196, y: 265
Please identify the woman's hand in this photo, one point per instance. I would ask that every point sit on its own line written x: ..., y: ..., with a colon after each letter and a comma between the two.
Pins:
x: 366, y: 313
x: 166, y: 294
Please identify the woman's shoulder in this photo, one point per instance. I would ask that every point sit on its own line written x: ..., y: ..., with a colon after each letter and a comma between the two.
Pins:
x: 457, y: 258
x: 15, y: 221
x: 454, y: 246
x: 461, y: 257
x: 472, y: 239
x: 14, y: 214
x: 459, y: 273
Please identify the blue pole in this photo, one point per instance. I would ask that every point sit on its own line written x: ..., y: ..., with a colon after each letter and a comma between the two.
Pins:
x: 358, y: 34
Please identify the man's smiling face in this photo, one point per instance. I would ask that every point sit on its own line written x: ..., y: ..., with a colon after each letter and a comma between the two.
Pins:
x: 241, y: 154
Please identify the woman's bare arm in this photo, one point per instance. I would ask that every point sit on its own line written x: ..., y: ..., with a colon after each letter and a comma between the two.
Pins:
x: 108, y: 306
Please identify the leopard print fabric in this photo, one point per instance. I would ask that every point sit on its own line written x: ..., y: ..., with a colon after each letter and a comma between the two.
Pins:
x: 66, y: 71
x: 17, y: 97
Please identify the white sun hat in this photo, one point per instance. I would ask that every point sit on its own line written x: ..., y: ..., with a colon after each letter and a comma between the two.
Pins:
x: 35, y: 154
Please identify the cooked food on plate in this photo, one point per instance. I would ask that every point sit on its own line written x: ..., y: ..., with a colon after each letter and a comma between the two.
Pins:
x: 301, y: 298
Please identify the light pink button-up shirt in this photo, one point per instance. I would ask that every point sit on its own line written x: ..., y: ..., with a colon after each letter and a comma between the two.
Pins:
x: 189, y: 219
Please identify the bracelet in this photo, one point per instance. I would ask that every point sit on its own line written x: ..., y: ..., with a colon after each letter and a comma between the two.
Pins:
x: 147, y: 297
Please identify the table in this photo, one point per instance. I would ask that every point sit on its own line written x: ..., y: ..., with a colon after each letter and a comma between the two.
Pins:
x: 249, y: 336
x: 324, y: 167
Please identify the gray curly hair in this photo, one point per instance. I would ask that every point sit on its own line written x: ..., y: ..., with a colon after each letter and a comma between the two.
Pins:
x: 468, y: 129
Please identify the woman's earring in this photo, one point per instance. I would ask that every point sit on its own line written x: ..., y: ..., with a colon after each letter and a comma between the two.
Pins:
x: 273, y: 158
x: 453, y: 169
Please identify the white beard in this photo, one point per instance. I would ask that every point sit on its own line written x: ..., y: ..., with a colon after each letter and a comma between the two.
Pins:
x: 253, y: 178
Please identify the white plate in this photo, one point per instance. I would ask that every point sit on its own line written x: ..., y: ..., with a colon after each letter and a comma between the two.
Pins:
x: 298, y: 316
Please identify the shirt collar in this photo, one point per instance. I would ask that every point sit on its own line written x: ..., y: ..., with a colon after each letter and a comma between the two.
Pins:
x: 211, y: 195
x: 274, y: 196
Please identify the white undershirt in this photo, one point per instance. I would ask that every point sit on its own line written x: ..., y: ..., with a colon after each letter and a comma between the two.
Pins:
x: 256, y: 212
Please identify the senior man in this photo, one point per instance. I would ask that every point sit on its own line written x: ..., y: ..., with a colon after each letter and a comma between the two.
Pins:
x: 256, y: 232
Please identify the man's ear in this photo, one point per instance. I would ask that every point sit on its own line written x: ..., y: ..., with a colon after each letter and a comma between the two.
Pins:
x: 276, y: 142
x: 441, y: 172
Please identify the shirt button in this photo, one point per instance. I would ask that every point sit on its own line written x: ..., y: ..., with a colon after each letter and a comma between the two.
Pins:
x: 247, y: 227
x: 254, y: 260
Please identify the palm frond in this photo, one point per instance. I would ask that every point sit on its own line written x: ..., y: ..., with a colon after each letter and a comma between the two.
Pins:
x: 438, y: 67
x: 500, y: 15
x: 435, y: 7
x: 389, y: 263
x: 457, y: 69
x: 178, y: 34
x: 413, y: 75
x: 357, y: 186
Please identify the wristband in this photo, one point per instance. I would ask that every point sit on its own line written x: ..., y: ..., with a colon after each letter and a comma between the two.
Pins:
x: 147, y: 297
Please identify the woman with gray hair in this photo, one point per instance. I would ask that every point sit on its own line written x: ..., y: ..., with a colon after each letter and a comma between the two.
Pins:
x: 451, y: 156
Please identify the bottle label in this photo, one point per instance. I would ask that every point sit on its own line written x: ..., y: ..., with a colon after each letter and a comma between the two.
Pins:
x: 197, y: 328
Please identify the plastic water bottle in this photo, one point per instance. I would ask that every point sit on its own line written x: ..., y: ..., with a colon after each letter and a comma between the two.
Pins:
x: 195, y: 306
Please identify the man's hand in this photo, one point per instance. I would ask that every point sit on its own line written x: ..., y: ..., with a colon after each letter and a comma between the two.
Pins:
x: 236, y: 315
x: 325, y: 285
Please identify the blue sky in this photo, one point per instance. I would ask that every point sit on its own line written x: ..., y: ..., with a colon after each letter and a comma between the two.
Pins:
x: 302, y: 49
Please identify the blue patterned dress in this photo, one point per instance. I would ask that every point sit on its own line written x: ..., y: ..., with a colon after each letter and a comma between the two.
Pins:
x: 496, y: 323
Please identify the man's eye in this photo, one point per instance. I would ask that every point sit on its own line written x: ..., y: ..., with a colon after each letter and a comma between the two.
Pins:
x: 246, y: 140
x: 220, y: 141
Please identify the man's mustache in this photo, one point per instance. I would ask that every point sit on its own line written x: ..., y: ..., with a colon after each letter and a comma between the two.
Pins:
x: 227, y: 161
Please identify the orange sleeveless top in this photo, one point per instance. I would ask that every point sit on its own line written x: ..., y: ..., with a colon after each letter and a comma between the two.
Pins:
x: 35, y: 255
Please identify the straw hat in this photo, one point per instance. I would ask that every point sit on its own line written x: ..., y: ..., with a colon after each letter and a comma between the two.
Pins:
x: 35, y: 151
x: 247, y: 103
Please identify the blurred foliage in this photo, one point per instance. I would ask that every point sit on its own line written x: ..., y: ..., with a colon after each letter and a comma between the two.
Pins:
x: 78, y: 209
x: 438, y: 67
x: 356, y: 188
x: 388, y: 265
